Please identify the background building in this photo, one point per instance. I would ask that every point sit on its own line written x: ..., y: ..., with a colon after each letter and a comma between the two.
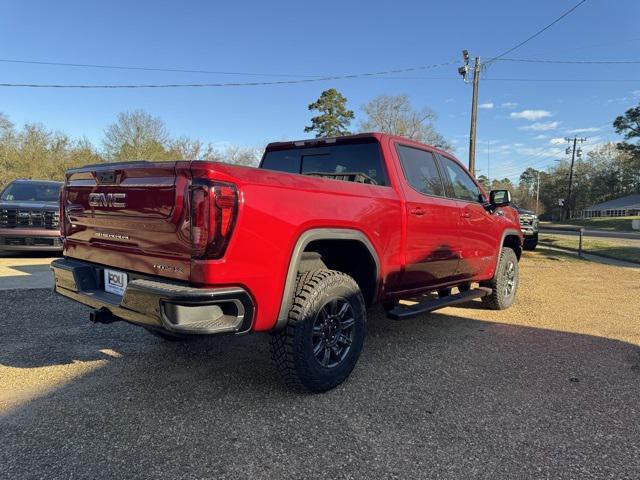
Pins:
x: 619, y: 207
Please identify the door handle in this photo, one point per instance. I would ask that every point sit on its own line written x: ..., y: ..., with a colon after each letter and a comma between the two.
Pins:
x: 465, y: 215
x: 417, y: 211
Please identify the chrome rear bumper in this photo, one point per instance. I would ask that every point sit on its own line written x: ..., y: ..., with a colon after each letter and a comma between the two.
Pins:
x: 159, y: 304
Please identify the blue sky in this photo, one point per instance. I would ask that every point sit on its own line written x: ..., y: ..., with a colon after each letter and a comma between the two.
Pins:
x: 522, y: 120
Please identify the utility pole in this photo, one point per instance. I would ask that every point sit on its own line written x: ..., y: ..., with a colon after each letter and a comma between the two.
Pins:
x: 488, y: 165
x: 537, y: 192
x: 464, y: 70
x: 474, y: 118
x: 574, y: 140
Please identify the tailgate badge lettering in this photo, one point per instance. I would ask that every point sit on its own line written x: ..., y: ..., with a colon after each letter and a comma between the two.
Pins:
x: 108, y: 200
x: 112, y: 236
x: 167, y: 268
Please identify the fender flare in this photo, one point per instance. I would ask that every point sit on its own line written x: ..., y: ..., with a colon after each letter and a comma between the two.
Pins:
x: 507, y: 232
x: 304, y: 239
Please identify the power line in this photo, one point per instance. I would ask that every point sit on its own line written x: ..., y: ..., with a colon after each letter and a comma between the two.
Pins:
x: 572, y: 62
x: 229, y: 84
x: 506, y: 52
x: 148, y: 69
x: 507, y: 79
x: 541, y: 157
x: 372, y: 76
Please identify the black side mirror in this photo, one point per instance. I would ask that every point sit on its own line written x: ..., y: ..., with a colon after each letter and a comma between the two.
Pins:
x: 499, y: 198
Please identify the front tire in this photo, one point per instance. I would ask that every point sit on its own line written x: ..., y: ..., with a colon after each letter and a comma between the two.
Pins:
x: 504, y: 284
x: 323, y: 338
x: 530, y: 243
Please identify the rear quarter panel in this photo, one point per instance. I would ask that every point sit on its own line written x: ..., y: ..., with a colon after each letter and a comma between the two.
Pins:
x: 274, y: 210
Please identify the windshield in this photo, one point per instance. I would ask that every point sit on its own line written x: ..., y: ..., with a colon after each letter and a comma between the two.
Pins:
x: 31, y: 192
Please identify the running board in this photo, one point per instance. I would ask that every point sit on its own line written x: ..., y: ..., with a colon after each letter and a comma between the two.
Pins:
x: 403, y: 312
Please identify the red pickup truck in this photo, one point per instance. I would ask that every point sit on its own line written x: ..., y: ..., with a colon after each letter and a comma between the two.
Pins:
x: 299, y: 247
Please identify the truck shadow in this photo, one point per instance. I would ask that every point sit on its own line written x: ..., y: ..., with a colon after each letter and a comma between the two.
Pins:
x: 455, y: 387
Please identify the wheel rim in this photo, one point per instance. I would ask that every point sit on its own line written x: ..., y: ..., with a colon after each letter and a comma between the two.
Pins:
x: 333, y: 332
x: 510, y: 279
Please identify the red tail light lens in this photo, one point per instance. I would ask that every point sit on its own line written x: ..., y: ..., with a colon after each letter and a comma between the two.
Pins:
x: 214, y: 207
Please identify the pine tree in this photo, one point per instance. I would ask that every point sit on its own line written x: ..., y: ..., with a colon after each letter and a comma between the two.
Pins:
x: 334, y: 118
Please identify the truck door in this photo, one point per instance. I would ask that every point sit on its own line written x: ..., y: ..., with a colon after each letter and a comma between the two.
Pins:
x: 431, y: 248
x: 480, y: 230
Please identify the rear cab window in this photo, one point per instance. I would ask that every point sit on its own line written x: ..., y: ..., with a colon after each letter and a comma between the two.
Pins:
x: 359, y: 162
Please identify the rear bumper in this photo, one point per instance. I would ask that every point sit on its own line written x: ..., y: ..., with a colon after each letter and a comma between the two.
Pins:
x: 20, y: 239
x: 159, y: 304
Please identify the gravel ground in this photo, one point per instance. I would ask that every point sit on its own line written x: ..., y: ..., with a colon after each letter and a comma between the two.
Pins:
x: 547, y: 389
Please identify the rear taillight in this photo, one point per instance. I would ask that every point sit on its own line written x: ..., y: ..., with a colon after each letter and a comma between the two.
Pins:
x: 214, y: 207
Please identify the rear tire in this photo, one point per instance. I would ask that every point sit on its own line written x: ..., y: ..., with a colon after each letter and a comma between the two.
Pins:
x: 323, y: 338
x: 504, y: 284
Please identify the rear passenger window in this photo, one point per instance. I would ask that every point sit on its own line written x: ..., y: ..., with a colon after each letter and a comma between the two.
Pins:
x: 464, y: 188
x: 420, y: 170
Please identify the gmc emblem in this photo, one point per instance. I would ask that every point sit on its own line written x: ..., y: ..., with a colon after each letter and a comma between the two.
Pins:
x: 108, y: 200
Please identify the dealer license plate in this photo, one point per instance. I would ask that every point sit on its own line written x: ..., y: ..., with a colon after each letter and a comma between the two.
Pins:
x: 114, y: 281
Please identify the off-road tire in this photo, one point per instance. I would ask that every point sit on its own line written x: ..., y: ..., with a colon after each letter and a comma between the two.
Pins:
x: 444, y: 292
x: 502, y: 297
x: 292, y: 348
x: 530, y: 243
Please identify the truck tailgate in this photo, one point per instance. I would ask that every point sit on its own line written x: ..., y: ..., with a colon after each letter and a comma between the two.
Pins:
x: 131, y: 216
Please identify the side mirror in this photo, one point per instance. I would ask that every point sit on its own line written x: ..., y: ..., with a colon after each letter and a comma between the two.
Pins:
x: 499, y: 198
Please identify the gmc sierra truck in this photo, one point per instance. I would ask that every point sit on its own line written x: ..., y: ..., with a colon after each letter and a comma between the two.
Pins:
x: 299, y: 247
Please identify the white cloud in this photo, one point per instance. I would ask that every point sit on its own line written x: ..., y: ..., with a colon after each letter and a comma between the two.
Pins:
x: 541, y: 126
x: 531, y: 114
x: 509, y: 105
x: 636, y: 93
x: 557, y: 141
x: 584, y: 130
x: 488, y: 105
x: 542, y: 136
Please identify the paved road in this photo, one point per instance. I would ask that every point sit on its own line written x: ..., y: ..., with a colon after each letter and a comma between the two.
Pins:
x: 595, y: 233
x: 449, y: 395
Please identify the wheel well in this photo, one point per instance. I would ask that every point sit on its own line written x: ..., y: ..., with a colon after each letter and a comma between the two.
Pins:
x: 351, y: 257
x: 513, y: 242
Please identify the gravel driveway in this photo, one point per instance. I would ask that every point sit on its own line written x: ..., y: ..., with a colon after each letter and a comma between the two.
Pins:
x: 548, y: 389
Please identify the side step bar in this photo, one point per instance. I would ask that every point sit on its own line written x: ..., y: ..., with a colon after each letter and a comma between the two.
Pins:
x: 403, y: 312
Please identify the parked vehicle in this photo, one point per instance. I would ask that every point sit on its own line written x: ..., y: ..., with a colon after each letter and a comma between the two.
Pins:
x: 529, y: 227
x: 299, y: 247
x: 29, y: 216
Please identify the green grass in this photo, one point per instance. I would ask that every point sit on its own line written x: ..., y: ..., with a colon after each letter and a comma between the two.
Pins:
x: 606, y: 248
x: 619, y: 224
